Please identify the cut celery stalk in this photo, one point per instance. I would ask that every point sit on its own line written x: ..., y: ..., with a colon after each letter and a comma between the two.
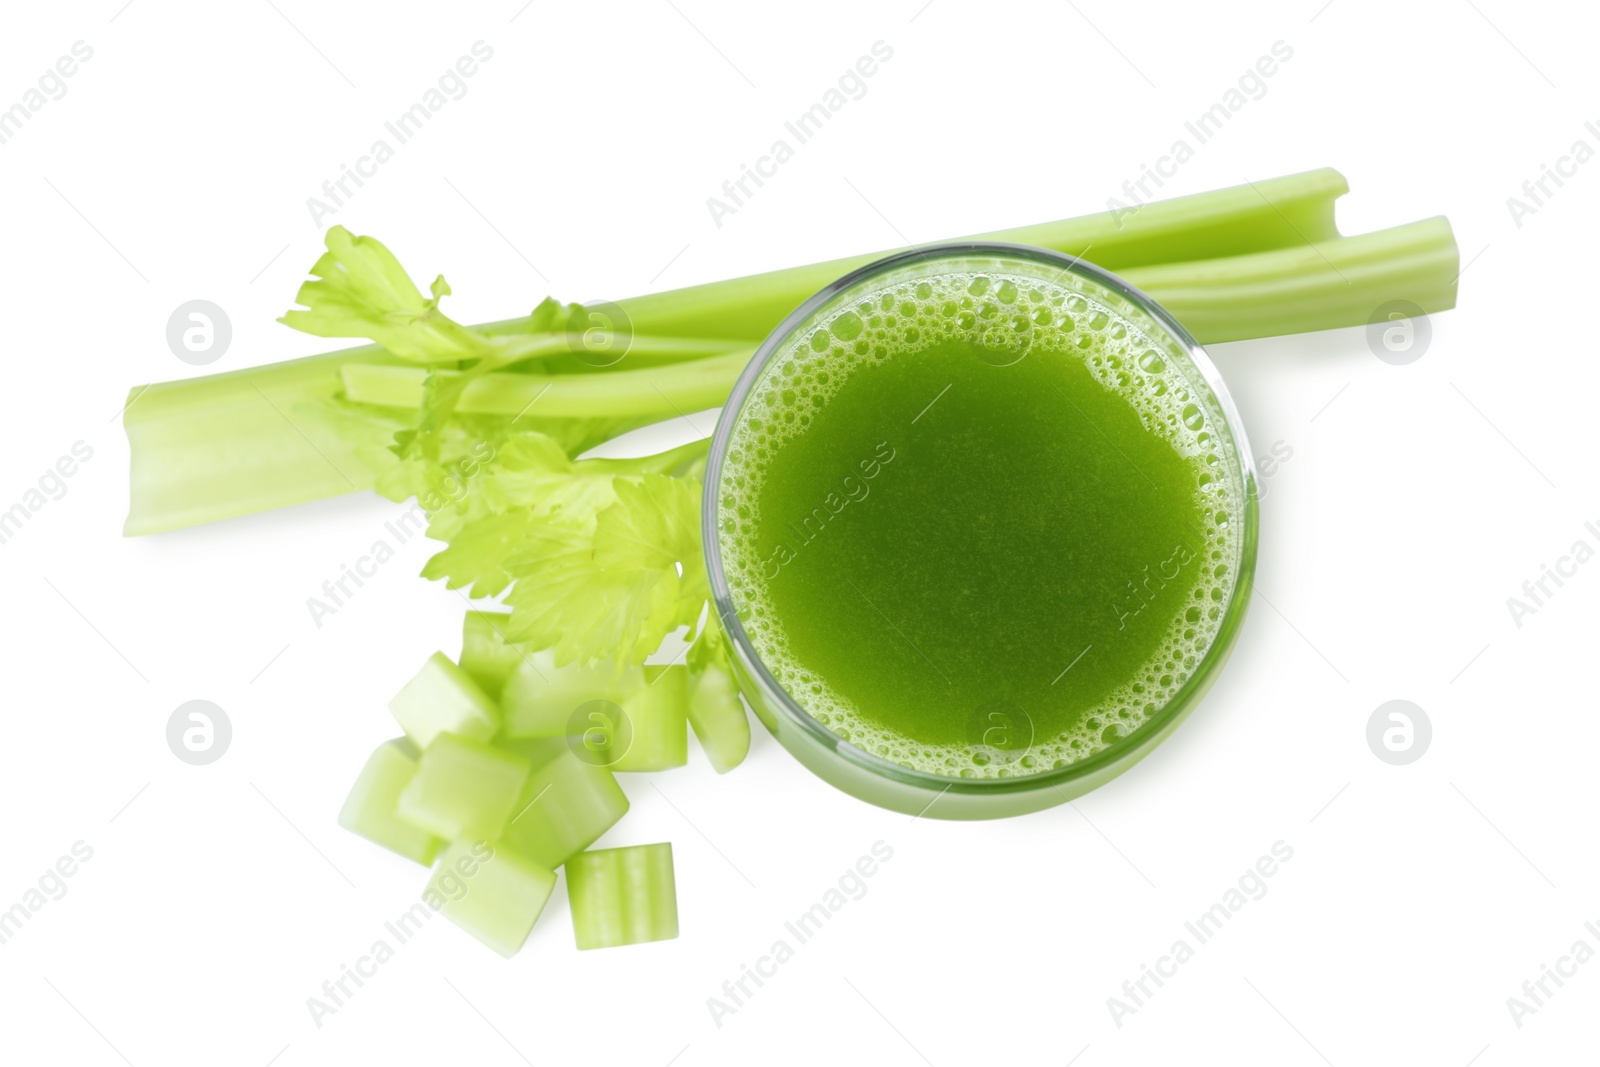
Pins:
x: 539, y: 698
x: 486, y: 656
x: 215, y: 447
x: 565, y: 805
x: 232, y: 444
x: 443, y: 698
x: 1335, y: 281
x: 623, y: 896
x: 717, y: 715
x: 1254, y: 217
x: 492, y: 893
x: 658, y: 715
x: 371, y: 808
x: 464, y: 789
x: 224, y: 445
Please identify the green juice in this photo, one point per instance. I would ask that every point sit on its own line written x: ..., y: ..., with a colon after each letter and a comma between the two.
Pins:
x: 981, y: 523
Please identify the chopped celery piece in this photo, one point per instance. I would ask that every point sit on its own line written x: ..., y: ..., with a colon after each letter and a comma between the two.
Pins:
x: 464, y: 788
x: 486, y: 657
x: 442, y: 698
x: 370, y: 809
x: 717, y: 715
x: 623, y: 896
x: 658, y: 717
x: 492, y: 893
x: 539, y: 697
x: 565, y: 805
x: 601, y: 733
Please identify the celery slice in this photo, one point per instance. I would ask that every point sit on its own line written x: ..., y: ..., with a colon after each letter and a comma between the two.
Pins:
x: 492, y: 893
x: 539, y: 698
x: 658, y: 716
x: 486, y: 656
x: 623, y: 896
x: 464, y: 788
x: 718, y: 717
x: 371, y: 808
x: 564, y: 807
x: 443, y: 698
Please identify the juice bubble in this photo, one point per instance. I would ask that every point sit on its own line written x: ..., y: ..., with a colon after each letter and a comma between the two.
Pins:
x: 1000, y: 732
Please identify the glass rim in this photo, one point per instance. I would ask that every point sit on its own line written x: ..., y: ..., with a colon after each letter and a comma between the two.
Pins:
x: 1151, y: 730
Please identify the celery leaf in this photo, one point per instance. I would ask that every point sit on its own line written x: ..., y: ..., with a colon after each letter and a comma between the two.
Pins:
x: 655, y: 524
x: 360, y: 290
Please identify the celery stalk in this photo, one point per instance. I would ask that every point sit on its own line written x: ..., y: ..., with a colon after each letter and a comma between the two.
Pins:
x: 224, y: 445
x: 231, y: 444
x: 1320, y: 286
x: 1277, y: 213
x: 623, y: 896
x: 221, y: 446
x: 1328, y: 284
x: 657, y: 391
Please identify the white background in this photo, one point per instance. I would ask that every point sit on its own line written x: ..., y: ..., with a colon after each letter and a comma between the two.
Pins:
x: 1418, y: 499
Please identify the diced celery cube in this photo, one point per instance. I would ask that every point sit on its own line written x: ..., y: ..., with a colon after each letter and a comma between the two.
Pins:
x: 464, y: 789
x: 485, y: 655
x: 657, y: 715
x: 623, y: 896
x: 370, y: 809
x: 443, y: 699
x: 539, y: 697
x: 565, y: 805
x: 492, y: 893
x: 717, y: 715
x: 600, y: 732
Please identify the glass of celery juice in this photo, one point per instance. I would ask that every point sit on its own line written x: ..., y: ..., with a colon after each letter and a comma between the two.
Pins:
x: 980, y: 525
